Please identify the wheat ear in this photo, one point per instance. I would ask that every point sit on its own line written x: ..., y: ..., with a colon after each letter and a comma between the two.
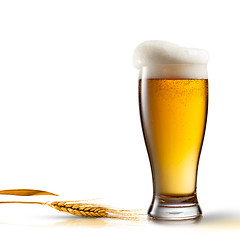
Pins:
x: 79, y: 209
x: 86, y: 209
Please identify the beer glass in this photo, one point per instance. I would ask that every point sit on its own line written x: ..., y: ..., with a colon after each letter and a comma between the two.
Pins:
x: 173, y: 110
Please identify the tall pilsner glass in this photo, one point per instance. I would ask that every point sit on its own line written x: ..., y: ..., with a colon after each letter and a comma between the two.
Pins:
x: 173, y: 107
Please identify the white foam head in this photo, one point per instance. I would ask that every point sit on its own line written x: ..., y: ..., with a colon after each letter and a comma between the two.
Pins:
x: 160, y: 59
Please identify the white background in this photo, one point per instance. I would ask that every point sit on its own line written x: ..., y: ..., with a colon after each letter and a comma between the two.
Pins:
x: 69, y: 120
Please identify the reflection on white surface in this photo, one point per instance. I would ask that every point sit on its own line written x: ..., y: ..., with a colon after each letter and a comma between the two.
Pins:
x: 43, y: 217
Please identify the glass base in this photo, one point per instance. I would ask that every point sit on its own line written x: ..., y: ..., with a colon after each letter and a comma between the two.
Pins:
x: 175, y: 209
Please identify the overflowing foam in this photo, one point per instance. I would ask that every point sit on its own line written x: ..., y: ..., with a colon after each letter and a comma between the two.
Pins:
x: 160, y: 59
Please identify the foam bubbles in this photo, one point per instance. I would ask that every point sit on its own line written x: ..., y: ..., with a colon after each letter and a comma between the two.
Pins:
x: 167, y: 60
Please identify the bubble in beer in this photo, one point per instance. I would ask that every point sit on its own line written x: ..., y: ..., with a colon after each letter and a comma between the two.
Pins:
x: 168, y: 60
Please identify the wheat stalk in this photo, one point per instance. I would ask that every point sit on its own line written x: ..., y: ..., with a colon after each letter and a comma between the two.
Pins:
x: 92, y: 210
x: 78, y: 208
x: 74, y: 208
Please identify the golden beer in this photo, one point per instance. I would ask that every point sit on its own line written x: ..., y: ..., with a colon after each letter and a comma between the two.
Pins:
x: 173, y: 114
x: 173, y: 100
